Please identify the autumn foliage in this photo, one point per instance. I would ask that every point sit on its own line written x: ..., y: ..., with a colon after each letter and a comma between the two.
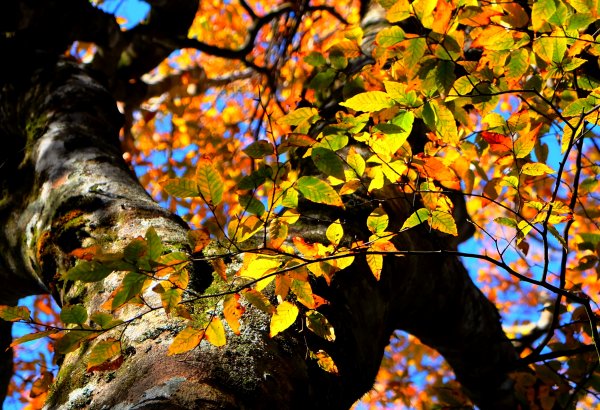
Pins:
x: 493, y: 101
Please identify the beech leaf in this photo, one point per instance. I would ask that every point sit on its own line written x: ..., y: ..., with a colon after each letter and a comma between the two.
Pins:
x: 284, y: 316
x: 319, y: 191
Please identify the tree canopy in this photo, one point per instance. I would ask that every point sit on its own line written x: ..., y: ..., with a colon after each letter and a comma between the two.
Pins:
x: 330, y: 157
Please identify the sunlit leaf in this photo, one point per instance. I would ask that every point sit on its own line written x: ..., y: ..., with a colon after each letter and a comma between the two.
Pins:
x: 14, y: 313
x: 88, y: 271
x: 259, y: 149
x: 536, y: 168
x: 318, y: 324
x: 186, y: 340
x: 328, y: 162
x: 181, y: 187
x: 369, y: 101
x: 335, y: 232
x: 319, y: 191
x: 102, y: 352
x: 215, y: 332
x: 233, y: 311
x: 210, y: 183
x: 284, y: 316
x: 416, y: 218
x: 76, y: 314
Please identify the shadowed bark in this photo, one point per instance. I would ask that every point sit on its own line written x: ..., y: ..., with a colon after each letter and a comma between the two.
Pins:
x: 66, y: 186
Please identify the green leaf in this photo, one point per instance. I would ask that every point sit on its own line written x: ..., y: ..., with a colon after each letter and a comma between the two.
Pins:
x: 319, y: 325
x: 416, y: 218
x: 440, y: 119
x: 415, y: 49
x: 303, y: 292
x: 356, y: 162
x: 390, y: 36
x: 318, y: 191
x: 88, y: 271
x: 76, y: 314
x: 510, y: 222
x: 14, y: 313
x: 181, y: 187
x: 557, y: 236
x: 328, y: 162
x: 71, y: 340
x: 251, y: 204
x: 170, y: 298
x: 155, y: 247
x: 105, y: 320
x: 444, y: 222
x: 369, y: 101
x: 32, y: 336
x: 130, y: 287
x: 135, y: 250
x: 256, y: 178
x: 315, y: 59
x: 378, y: 221
x: 259, y: 149
x: 541, y: 12
x: 210, y: 183
x: 518, y: 64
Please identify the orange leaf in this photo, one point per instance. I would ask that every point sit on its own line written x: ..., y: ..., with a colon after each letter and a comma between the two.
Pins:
x: 233, y: 310
x: 186, y: 340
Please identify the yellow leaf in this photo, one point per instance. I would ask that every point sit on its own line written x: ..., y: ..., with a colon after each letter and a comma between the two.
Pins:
x: 186, y: 340
x: 335, y: 232
x: 215, y: 332
x: 536, y: 168
x: 285, y: 315
x: 260, y: 267
x: 233, y: 310
x: 375, y: 262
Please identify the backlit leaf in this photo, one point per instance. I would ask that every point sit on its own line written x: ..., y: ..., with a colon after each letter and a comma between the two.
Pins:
x: 186, y: 340
x: 536, y: 168
x: 31, y: 336
x: 303, y: 292
x: 14, y: 313
x: 375, y: 262
x: 233, y: 311
x: 88, y: 271
x: 318, y: 191
x: 258, y: 300
x: 102, y: 352
x: 369, y: 101
x: 443, y: 222
x: 416, y: 218
x: 181, y: 187
x: 215, y: 332
x: 335, y: 232
x: 76, y: 314
x: 378, y: 221
x: 259, y: 149
x: 318, y: 324
x: 210, y: 183
x: 284, y: 316
x: 328, y: 162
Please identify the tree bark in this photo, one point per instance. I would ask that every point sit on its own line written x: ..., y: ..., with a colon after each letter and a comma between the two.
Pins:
x: 65, y: 186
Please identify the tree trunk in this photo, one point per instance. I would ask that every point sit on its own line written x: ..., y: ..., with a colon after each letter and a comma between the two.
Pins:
x: 65, y: 186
